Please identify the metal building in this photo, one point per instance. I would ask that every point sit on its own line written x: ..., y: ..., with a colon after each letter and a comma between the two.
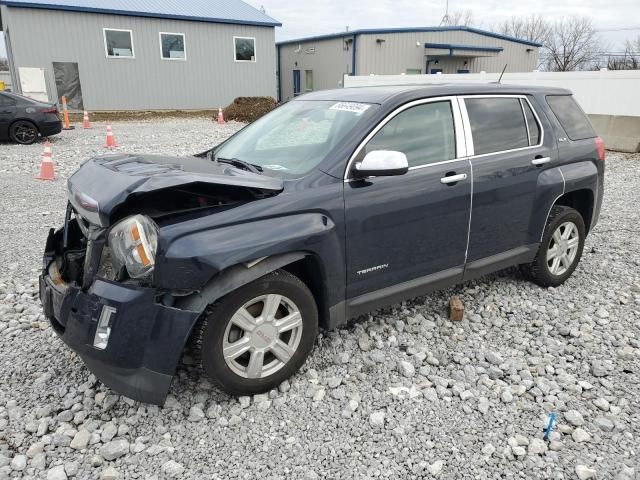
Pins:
x: 139, y: 54
x: 317, y: 63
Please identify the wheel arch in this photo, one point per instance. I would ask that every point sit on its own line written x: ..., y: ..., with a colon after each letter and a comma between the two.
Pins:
x: 301, y: 264
x: 582, y: 200
x: 20, y: 119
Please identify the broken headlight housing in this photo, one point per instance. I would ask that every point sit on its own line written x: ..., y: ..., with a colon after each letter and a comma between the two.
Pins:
x: 133, y: 242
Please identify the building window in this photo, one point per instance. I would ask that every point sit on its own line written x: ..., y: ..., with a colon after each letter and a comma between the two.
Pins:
x: 308, y: 80
x: 244, y: 49
x: 172, y: 46
x: 414, y: 71
x: 118, y: 43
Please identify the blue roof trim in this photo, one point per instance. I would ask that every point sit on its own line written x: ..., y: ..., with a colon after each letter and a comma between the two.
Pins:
x: 451, y: 46
x: 382, y: 31
x: 132, y: 13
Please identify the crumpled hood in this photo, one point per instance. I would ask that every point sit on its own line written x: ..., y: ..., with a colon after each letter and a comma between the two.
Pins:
x: 103, y: 183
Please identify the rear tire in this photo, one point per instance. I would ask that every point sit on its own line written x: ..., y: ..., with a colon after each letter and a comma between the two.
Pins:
x: 23, y: 132
x: 256, y: 337
x: 560, y: 249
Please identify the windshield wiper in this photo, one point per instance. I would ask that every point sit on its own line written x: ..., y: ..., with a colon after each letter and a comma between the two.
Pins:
x: 241, y: 164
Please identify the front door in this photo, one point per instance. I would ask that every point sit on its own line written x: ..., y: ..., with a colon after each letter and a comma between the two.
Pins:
x: 509, y: 155
x: 411, y: 227
x: 296, y: 83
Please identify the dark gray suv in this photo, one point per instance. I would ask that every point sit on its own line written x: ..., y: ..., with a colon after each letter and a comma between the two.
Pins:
x: 332, y: 205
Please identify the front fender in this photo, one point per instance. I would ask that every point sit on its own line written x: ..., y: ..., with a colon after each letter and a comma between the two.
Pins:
x: 192, y: 260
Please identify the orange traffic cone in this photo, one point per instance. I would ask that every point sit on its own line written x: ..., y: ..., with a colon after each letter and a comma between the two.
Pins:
x: 46, y: 167
x: 220, y: 116
x: 111, y: 140
x: 47, y: 148
x: 65, y: 115
x: 86, y: 124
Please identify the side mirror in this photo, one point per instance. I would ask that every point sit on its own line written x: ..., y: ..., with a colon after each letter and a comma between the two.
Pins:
x: 382, y: 163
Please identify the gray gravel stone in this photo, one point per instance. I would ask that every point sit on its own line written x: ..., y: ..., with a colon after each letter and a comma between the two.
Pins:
x: 406, y: 368
x: 173, y: 469
x: 574, y: 418
x: 114, y: 449
x: 19, y: 463
x: 376, y: 419
x: 605, y: 424
x: 547, y: 347
x: 57, y: 473
x: 537, y: 447
x: 584, y: 473
x: 579, y: 435
x: 109, y: 473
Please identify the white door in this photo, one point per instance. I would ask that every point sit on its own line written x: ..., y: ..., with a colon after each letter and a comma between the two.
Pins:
x: 33, y: 83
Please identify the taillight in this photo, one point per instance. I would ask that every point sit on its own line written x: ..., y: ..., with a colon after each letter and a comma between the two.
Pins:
x: 50, y: 110
x: 600, y: 148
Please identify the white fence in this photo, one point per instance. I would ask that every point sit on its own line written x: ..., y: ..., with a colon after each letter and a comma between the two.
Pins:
x: 605, y: 92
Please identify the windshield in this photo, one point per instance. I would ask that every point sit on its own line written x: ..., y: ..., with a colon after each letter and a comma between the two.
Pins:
x: 294, y: 139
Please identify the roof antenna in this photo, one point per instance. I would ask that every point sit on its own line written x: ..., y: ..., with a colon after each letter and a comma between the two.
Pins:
x: 445, y: 19
x: 503, y: 70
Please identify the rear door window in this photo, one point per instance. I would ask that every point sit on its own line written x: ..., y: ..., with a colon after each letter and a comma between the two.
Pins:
x: 573, y: 120
x: 497, y: 124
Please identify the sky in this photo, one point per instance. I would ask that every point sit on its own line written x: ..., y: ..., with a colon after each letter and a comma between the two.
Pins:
x: 302, y: 18
x: 313, y: 17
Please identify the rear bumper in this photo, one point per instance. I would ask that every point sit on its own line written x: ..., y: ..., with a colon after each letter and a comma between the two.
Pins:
x: 146, y: 341
x: 50, y: 128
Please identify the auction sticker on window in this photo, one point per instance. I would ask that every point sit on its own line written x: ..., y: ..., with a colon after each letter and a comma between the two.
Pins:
x: 357, y: 108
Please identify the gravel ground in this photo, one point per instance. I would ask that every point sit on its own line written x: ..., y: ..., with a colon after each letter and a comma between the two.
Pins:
x: 403, y: 394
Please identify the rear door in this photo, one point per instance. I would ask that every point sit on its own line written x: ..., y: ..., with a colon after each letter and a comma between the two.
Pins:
x: 7, y: 114
x: 509, y: 153
x: 410, y: 228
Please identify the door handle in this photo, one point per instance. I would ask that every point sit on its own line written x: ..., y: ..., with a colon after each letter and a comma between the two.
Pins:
x: 453, y: 179
x: 540, y: 161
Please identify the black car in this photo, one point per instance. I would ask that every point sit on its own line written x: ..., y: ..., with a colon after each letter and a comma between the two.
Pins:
x: 330, y: 206
x: 23, y: 120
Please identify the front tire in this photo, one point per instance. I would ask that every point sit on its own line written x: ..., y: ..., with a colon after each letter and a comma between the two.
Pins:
x: 256, y: 337
x: 560, y: 249
x: 23, y: 132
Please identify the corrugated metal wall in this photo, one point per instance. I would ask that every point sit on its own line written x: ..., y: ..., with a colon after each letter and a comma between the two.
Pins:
x: 403, y: 51
x: 328, y: 59
x: 208, y: 79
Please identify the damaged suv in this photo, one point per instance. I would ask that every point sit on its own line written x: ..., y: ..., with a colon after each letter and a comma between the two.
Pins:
x: 331, y: 206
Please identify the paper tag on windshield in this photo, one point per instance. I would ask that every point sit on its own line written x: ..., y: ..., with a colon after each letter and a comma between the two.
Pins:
x: 357, y: 108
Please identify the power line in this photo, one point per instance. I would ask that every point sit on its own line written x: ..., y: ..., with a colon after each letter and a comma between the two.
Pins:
x: 621, y: 29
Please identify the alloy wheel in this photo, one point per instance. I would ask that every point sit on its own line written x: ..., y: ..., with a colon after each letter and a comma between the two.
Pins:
x: 25, y: 133
x: 563, y: 248
x: 262, y: 336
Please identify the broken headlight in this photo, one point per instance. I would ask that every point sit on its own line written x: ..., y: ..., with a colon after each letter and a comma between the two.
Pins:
x: 134, y: 241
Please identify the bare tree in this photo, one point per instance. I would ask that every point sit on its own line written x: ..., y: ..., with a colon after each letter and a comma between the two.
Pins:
x: 4, y: 64
x: 534, y: 28
x: 461, y: 17
x: 573, y: 44
x: 627, y: 60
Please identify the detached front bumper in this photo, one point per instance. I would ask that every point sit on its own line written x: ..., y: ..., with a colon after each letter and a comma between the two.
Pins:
x: 146, y: 340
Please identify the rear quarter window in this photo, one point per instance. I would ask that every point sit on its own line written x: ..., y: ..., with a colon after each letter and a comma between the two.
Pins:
x: 573, y: 120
